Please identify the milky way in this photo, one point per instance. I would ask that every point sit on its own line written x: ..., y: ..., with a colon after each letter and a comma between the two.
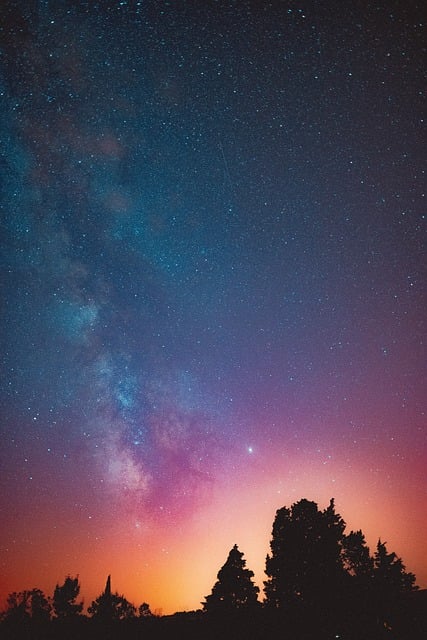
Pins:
x: 213, y: 283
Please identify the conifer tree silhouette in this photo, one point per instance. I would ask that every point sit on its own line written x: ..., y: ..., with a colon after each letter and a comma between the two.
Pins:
x: 392, y: 583
x: 356, y: 556
x: 234, y: 588
x: 305, y: 565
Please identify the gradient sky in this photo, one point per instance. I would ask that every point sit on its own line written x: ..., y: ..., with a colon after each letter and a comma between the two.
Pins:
x: 213, y: 285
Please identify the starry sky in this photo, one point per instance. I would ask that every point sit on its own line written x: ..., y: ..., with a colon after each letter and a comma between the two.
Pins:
x: 213, y: 285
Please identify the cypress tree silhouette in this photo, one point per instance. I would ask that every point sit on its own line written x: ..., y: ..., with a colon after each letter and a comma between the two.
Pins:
x: 305, y: 565
x: 234, y: 588
x: 107, y: 591
x: 320, y: 578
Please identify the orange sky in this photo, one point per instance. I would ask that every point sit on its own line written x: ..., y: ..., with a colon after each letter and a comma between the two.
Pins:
x: 173, y: 569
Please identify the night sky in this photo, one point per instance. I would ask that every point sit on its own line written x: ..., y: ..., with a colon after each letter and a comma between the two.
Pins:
x: 212, y: 283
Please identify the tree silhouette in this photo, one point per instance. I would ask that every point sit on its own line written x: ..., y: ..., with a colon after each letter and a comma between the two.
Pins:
x: 359, y: 593
x: 111, y: 606
x: 144, y: 610
x: 321, y: 578
x: 322, y: 583
x: 390, y: 572
x: 26, y: 606
x: 391, y: 583
x: 64, y: 599
x: 356, y: 556
x: 305, y: 565
x: 234, y: 588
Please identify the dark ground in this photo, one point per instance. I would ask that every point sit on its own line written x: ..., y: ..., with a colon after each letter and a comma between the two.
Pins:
x: 410, y: 624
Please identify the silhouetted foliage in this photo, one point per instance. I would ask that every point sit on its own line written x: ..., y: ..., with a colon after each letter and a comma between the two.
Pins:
x: 234, y: 588
x: 321, y: 578
x: 359, y: 587
x: 322, y: 584
x: 305, y: 566
x: 116, y: 608
x: 144, y: 610
x: 391, y: 585
x: 111, y: 606
x: 390, y: 572
x: 64, y: 599
x: 357, y: 559
x: 28, y: 606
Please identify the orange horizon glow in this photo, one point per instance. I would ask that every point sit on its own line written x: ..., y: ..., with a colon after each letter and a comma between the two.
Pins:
x: 174, y: 569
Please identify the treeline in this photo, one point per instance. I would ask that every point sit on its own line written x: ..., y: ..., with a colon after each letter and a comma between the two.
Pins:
x: 321, y: 583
